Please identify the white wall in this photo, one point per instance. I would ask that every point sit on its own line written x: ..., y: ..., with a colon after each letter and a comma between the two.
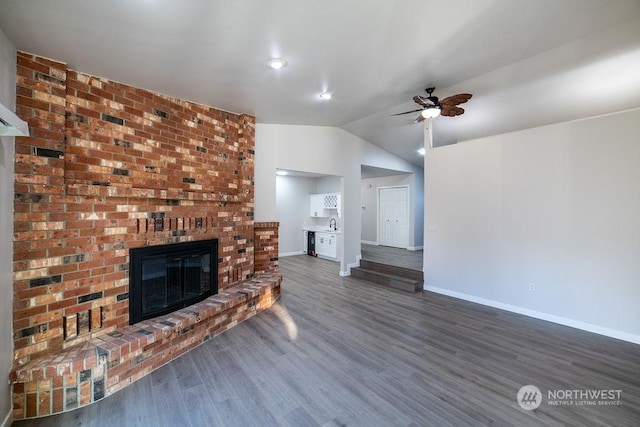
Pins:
x: 369, y: 212
x: 328, y: 184
x: 323, y: 150
x: 557, y: 206
x: 292, y: 210
x: 7, y: 98
x: 369, y: 192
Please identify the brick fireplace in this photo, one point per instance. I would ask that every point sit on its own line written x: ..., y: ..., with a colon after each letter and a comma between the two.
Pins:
x: 166, y: 278
x: 109, y: 168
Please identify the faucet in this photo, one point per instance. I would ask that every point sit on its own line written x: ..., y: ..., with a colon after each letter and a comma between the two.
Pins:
x: 335, y: 225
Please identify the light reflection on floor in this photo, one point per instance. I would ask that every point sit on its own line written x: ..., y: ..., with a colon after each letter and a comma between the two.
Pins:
x: 286, y: 319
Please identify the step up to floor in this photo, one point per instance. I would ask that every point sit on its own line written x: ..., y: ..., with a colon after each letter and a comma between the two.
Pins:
x: 401, y: 278
x: 407, y: 273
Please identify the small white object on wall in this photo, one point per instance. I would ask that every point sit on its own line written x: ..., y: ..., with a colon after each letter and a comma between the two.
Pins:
x: 10, y: 124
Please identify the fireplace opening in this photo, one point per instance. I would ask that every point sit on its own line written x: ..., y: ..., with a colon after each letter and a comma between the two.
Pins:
x: 166, y: 278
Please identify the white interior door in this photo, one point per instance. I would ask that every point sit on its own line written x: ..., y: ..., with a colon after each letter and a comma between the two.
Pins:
x: 393, y: 216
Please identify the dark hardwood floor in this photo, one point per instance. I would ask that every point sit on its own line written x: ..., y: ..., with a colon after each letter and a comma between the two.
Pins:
x: 338, y: 351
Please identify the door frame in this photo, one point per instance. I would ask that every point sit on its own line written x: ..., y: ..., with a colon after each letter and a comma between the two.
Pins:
x: 408, y: 218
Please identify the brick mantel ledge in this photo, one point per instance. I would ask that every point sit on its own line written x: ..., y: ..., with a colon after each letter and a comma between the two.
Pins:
x: 83, y: 374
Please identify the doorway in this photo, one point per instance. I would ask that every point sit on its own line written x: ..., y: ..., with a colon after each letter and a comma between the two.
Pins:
x: 393, y: 216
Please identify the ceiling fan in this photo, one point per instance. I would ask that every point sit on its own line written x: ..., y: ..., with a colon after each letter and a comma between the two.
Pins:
x: 433, y: 107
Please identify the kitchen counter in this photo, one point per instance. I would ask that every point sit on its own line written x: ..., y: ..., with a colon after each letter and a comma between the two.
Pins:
x: 320, y: 229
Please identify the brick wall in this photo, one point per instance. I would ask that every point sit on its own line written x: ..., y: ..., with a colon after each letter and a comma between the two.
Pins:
x: 266, y: 246
x: 110, y: 167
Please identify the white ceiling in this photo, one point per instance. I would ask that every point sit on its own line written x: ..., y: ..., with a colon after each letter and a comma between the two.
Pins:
x: 528, y: 63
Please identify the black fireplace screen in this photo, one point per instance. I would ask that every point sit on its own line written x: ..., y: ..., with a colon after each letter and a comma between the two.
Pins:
x: 166, y: 278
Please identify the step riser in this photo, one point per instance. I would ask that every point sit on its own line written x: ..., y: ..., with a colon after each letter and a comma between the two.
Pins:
x: 391, y: 269
x: 399, y: 283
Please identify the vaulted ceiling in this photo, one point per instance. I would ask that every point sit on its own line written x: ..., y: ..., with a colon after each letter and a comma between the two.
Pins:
x: 527, y: 63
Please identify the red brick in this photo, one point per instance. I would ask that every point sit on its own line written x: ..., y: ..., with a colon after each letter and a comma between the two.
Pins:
x: 28, y: 312
x: 29, y: 63
x: 62, y: 269
x: 76, y: 275
x: 62, y: 304
x: 28, y: 255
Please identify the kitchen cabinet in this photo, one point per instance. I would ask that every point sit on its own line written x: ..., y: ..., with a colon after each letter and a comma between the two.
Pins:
x: 322, y: 244
x: 316, y: 205
x: 330, y: 201
x: 332, y: 204
x: 325, y: 205
x: 332, y: 251
x: 326, y: 245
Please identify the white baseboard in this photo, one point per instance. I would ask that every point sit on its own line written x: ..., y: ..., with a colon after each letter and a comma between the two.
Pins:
x: 350, y: 266
x: 366, y: 242
x: 328, y: 258
x: 7, y: 420
x: 612, y: 333
x: 291, y: 253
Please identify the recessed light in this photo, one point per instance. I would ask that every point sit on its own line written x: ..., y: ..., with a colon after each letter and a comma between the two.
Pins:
x: 421, y: 151
x: 326, y: 95
x: 282, y: 173
x: 276, y: 63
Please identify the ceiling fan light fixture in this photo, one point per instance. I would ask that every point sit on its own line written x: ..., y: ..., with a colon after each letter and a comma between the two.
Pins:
x: 430, y: 113
x: 326, y: 95
x: 276, y: 63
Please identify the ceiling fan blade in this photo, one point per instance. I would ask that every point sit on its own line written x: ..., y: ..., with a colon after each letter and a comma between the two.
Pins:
x: 418, y: 100
x: 427, y: 102
x: 451, y: 110
x: 407, y: 112
x: 456, y: 99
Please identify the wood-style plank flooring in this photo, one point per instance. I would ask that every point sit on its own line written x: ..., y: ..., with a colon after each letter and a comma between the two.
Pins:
x: 338, y: 351
x: 392, y: 256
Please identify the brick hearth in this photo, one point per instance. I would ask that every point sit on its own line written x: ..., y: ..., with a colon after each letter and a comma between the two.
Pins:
x: 90, y: 371
x: 110, y: 167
